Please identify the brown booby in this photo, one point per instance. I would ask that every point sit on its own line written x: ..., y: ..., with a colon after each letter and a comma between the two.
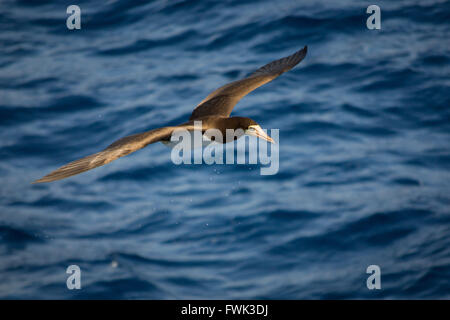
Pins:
x: 213, y: 112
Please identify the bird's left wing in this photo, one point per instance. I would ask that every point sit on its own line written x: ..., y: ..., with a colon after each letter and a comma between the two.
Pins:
x: 119, y: 148
x: 221, y: 101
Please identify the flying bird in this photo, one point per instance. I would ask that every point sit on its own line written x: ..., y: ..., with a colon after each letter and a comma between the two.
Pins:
x: 213, y: 112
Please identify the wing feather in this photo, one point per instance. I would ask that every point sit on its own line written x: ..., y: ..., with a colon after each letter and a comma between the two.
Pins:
x: 117, y: 149
x: 221, y: 101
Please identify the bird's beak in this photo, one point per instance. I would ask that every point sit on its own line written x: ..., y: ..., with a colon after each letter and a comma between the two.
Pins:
x: 257, y: 131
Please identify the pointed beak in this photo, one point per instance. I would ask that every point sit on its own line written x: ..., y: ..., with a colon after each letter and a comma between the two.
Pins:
x: 259, y: 132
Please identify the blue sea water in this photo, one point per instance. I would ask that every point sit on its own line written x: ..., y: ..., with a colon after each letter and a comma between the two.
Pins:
x: 364, y: 146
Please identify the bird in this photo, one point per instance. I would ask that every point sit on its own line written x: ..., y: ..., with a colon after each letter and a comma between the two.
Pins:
x: 213, y: 112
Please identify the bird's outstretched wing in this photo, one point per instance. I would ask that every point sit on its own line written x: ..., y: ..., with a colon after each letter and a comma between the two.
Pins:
x: 221, y: 101
x: 117, y: 149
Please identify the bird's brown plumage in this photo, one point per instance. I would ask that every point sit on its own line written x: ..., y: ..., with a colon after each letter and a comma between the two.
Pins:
x: 117, y: 149
x: 214, y: 110
x: 221, y: 101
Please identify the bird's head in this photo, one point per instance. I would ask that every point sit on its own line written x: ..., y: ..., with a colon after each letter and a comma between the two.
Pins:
x: 252, y: 128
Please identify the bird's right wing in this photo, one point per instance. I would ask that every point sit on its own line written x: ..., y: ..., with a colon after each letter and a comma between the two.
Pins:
x: 117, y: 149
x: 221, y: 101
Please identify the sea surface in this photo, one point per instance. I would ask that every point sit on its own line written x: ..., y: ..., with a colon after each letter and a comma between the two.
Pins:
x: 364, y: 151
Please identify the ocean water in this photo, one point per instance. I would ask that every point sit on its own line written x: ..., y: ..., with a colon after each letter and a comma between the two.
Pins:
x: 364, y: 151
